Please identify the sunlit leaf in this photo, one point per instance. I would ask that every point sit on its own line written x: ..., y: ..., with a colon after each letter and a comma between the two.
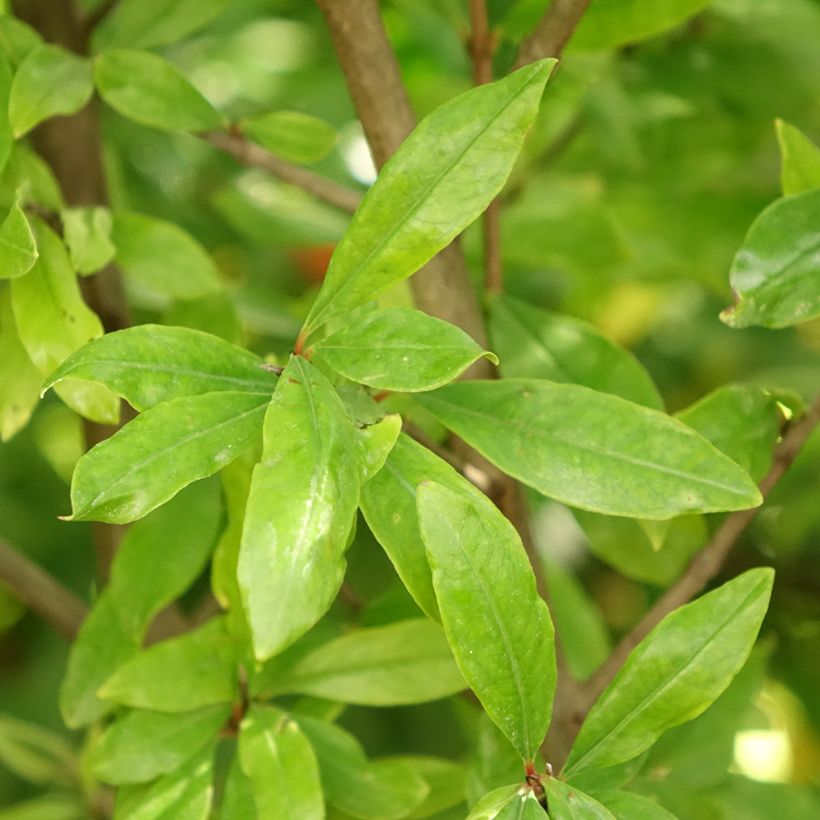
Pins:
x: 799, y: 160
x: 292, y: 135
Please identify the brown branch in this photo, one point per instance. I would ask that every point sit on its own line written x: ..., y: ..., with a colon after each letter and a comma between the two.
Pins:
x: 339, y: 196
x: 552, y: 32
x: 41, y: 592
x: 705, y: 565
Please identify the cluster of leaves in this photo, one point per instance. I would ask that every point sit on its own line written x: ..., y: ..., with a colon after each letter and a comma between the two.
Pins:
x: 266, y: 472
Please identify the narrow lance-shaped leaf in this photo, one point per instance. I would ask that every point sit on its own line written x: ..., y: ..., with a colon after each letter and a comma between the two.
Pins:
x: 300, y: 510
x: 400, y: 349
x: 196, y: 669
x: 292, y: 135
x: 403, y: 662
x: 153, y: 457
x: 150, y: 364
x: 184, y: 794
x: 280, y: 761
x: 775, y: 275
x: 53, y: 321
x: 675, y: 673
x: 148, y: 89
x: 143, y: 745
x: 431, y: 189
x: 497, y: 625
x: 568, y: 803
x: 627, y: 804
x: 534, y: 343
x: 50, y: 81
x: 799, y: 158
x: 489, y: 806
x: 150, y: 23
x: 592, y: 450
x: 18, y: 249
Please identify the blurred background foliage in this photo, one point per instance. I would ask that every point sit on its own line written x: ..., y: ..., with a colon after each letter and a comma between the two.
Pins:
x: 649, y: 161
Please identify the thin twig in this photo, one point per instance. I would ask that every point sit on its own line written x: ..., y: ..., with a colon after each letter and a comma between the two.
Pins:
x: 41, y: 592
x: 708, y: 562
x: 552, y: 32
x: 339, y: 196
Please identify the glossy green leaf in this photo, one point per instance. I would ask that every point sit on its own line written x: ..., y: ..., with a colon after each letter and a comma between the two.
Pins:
x: 18, y: 249
x: 87, y: 234
x: 388, y: 503
x: 53, y: 321
x: 742, y: 421
x: 400, y: 349
x: 538, y: 344
x: 148, y: 89
x: 627, y: 804
x: 799, y: 160
x: 17, y: 39
x: 675, y: 673
x: 46, y: 808
x: 199, y: 668
x: 612, y: 23
x: 592, y: 450
x: 153, y: 457
x: 489, y: 806
x: 145, y: 577
x: 497, y: 625
x: 149, y: 23
x: 292, y: 135
x: 378, y: 790
x: 522, y: 807
x: 445, y: 779
x: 140, y: 746
x: 31, y: 176
x: 280, y: 761
x: 404, y: 662
x: 775, y: 275
x: 429, y: 191
x: 151, y: 364
x: 49, y: 82
x: 375, y: 443
x: 568, y: 803
x: 238, y: 802
x: 184, y: 794
x: 300, y: 510
x: 163, y: 257
x: 6, y: 134
x: 19, y: 378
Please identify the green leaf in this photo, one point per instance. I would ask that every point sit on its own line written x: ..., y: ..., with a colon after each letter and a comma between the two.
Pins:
x: 163, y: 257
x: 46, y: 808
x: 429, y: 191
x: 153, y: 457
x: 675, y: 673
x: 375, y: 442
x: 568, y: 803
x: 149, y: 23
x: 31, y: 176
x: 280, y: 761
x: 742, y: 421
x: 50, y: 81
x: 292, y: 135
x: 300, y: 510
x: 19, y: 378
x: 592, y: 450
x: 184, y: 794
x: 493, y: 761
x: 17, y: 39
x: 534, y: 343
x: 379, y: 790
x: 489, y: 807
x: 238, y: 801
x: 445, y: 779
x: 404, y: 662
x: 148, y: 89
x: 87, y: 234
x: 199, y: 668
x: 497, y: 625
x: 6, y: 135
x: 143, y: 745
x: 800, y: 160
x: 145, y: 577
x: 18, y: 249
x: 53, y: 321
x: 611, y: 23
x: 151, y: 364
x: 775, y: 275
x: 388, y: 502
x: 35, y: 754
x: 522, y: 807
x: 400, y: 349
x: 627, y: 804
